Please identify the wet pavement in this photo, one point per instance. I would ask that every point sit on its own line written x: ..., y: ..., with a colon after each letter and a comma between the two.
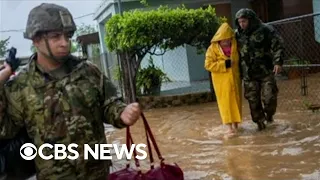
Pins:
x: 192, y: 137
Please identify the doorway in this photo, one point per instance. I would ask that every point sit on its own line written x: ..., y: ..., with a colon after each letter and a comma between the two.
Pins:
x: 268, y: 10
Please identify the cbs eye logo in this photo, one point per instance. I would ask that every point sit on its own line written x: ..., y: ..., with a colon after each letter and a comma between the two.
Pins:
x: 28, y: 151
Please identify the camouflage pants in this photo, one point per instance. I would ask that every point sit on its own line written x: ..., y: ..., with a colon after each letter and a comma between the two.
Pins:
x: 262, y: 97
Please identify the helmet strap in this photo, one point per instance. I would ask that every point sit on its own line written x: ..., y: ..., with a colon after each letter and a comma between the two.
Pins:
x: 51, y: 56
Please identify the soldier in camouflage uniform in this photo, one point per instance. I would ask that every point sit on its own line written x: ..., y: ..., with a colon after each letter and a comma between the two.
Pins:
x: 61, y: 99
x: 261, y: 57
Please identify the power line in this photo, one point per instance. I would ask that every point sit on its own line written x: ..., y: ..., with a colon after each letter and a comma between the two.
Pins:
x: 12, y: 30
x: 21, y: 30
x: 83, y: 16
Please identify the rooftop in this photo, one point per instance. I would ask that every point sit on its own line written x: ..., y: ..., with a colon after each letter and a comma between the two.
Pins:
x: 86, y: 39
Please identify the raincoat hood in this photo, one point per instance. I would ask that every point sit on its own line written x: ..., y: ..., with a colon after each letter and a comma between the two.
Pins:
x: 224, y: 32
x: 254, y: 21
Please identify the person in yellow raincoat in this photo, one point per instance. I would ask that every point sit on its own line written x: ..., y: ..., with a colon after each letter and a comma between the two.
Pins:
x: 222, y: 60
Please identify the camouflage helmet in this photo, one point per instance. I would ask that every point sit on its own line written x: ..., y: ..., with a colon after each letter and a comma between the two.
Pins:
x: 246, y: 13
x: 49, y: 17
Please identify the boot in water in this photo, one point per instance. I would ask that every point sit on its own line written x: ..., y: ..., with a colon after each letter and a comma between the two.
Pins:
x: 261, y: 125
x: 269, y: 119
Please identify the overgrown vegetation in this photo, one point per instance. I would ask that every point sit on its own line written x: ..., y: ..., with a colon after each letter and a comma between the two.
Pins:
x: 4, y: 46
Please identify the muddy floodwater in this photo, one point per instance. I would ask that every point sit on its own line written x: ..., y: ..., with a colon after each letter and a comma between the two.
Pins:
x: 192, y: 137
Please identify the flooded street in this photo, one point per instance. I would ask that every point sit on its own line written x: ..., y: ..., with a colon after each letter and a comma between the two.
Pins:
x: 192, y: 136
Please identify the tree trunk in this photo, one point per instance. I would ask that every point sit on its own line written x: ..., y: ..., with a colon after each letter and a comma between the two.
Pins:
x: 127, y: 67
x: 124, y: 74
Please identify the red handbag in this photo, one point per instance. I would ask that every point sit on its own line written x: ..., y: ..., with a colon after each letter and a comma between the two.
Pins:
x: 163, y: 172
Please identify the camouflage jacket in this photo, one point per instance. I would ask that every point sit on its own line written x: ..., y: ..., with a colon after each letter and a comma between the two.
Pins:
x: 67, y: 110
x: 259, y: 49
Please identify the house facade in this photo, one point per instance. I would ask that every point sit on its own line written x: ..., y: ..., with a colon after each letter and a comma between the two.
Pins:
x: 183, y: 65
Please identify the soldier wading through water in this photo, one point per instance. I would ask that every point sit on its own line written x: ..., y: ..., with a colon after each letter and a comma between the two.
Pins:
x: 261, y: 57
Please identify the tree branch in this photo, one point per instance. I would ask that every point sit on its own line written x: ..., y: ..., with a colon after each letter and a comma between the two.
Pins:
x: 138, y: 56
x: 156, y: 54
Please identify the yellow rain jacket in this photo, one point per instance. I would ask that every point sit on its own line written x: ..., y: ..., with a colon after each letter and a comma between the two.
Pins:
x: 226, y: 82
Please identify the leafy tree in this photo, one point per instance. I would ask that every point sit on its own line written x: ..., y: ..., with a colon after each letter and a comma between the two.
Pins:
x: 84, y: 29
x: 3, y: 46
x: 144, y: 2
x: 73, y: 47
x: 136, y: 33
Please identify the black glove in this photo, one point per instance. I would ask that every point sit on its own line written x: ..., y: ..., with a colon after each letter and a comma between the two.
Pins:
x: 228, y: 63
x: 12, y: 60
